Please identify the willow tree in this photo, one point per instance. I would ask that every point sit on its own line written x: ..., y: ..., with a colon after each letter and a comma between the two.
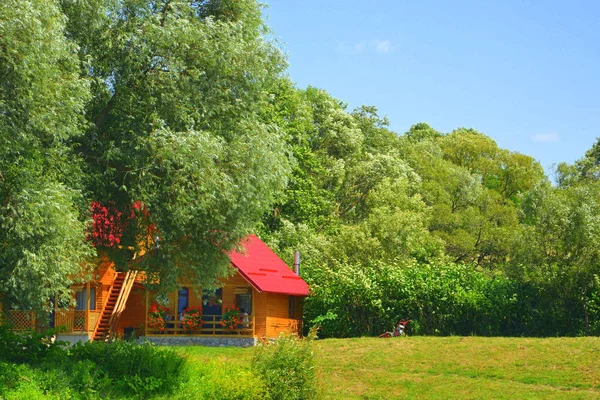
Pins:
x: 115, y: 103
x: 42, y: 98
x: 178, y: 91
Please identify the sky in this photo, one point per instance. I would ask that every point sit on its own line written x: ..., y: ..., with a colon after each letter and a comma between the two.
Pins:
x: 524, y: 72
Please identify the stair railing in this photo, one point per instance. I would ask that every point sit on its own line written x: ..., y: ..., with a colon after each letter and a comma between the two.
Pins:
x: 122, y: 299
x: 105, y: 303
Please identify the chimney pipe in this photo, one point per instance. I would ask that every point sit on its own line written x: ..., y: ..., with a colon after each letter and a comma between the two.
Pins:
x: 297, y: 262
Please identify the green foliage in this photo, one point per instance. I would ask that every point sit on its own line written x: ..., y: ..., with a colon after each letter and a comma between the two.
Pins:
x: 286, y: 366
x: 133, y: 369
x: 31, y: 347
x: 163, y: 102
x: 42, y: 212
x: 218, y: 379
x: 440, y: 299
x: 179, y: 91
x: 558, y: 253
x: 36, y: 365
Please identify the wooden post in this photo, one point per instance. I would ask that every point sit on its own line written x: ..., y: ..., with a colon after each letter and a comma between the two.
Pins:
x: 146, y: 314
x: 87, y: 307
x: 253, y: 291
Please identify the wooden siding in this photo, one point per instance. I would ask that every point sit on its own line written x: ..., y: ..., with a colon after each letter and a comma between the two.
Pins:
x: 134, y: 315
x: 232, y: 285
x: 260, y: 310
x: 278, y: 308
x: 104, y: 276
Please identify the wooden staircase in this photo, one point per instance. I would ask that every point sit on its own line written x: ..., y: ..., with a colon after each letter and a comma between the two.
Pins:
x: 117, y: 298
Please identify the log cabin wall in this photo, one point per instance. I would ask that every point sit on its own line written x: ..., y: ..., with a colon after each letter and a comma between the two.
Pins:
x: 104, y: 276
x: 134, y: 315
x: 278, y: 311
x: 260, y: 304
x: 233, y: 285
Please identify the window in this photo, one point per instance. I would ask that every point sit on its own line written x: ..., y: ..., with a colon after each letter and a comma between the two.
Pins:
x: 244, y: 302
x: 182, y: 300
x: 82, y: 299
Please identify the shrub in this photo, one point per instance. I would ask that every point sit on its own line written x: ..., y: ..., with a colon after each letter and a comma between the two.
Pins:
x: 287, y: 367
x: 30, y: 347
x: 35, y: 365
x: 130, y: 368
x: 219, y: 379
x: 440, y: 298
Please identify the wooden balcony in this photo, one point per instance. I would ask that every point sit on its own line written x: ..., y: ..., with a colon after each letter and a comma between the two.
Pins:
x: 211, y: 326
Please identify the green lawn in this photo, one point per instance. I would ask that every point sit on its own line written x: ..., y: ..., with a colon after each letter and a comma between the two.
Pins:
x: 449, y: 367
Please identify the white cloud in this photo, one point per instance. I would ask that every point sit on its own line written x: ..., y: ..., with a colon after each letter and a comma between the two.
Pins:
x: 376, y: 45
x: 382, y: 46
x: 545, y: 138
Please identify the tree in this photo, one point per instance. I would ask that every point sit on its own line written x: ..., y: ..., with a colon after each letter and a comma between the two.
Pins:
x: 179, y: 93
x: 558, y: 249
x: 42, y: 210
x: 158, y: 104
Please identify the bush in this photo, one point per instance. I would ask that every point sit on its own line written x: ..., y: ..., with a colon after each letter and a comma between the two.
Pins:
x: 30, y: 347
x: 130, y: 368
x: 220, y: 379
x: 440, y: 298
x: 287, y: 367
x: 34, y: 365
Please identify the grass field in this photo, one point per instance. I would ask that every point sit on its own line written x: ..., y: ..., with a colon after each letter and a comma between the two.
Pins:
x: 444, y: 368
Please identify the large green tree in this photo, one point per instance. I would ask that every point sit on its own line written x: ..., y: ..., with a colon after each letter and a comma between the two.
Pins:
x: 159, y: 104
x: 177, y: 122
x: 473, y: 187
x: 42, y: 99
x: 558, y: 249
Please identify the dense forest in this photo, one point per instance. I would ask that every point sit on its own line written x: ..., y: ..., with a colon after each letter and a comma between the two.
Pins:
x: 177, y: 120
x: 449, y: 230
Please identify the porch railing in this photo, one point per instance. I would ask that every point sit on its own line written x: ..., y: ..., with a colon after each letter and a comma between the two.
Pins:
x: 20, y: 320
x: 77, y: 320
x: 69, y: 320
x: 211, y: 325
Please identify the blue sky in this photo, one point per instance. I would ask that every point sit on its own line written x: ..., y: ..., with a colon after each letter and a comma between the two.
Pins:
x: 526, y: 73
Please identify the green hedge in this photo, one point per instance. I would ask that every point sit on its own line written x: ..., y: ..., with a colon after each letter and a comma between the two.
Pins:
x: 441, y: 299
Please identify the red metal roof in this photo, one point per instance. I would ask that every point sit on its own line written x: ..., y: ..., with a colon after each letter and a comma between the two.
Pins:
x: 265, y: 271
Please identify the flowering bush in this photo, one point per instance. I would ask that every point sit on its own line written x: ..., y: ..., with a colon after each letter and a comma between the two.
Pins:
x: 110, y: 224
x: 157, y: 316
x: 192, y: 318
x: 231, y: 318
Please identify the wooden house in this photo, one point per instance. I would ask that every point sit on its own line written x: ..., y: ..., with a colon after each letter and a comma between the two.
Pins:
x: 266, y: 295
